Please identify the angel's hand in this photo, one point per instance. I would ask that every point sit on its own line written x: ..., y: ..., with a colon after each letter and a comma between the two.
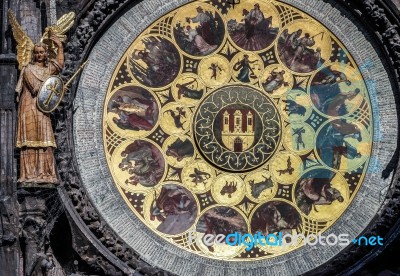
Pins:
x: 17, y: 99
x: 56, y: 40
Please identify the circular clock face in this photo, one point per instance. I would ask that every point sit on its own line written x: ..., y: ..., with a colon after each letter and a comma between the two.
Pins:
x: 242, y: 120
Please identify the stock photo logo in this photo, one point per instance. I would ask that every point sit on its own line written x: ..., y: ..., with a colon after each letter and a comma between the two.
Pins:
x: 249, y: 241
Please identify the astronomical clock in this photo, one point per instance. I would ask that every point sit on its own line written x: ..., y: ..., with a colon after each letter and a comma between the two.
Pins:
x: 196, y: 118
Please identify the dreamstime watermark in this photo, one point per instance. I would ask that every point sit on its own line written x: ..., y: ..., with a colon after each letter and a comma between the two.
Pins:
x: 282, y: 240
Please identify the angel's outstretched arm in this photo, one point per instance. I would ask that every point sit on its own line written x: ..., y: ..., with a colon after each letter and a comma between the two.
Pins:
x: 60, y: 52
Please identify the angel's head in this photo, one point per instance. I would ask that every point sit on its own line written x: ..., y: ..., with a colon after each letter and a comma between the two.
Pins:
x: 39, y: 53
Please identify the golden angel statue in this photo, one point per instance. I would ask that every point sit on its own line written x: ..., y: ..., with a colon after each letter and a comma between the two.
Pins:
x: 37, y: 62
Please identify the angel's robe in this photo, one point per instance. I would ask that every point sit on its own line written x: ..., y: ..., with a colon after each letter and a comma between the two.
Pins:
x: 35, y: 135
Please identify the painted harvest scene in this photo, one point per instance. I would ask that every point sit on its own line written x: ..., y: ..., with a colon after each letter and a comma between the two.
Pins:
x: 237, y: 116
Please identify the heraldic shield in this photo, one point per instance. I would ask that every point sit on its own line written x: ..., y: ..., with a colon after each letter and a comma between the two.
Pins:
x: 50, y: 94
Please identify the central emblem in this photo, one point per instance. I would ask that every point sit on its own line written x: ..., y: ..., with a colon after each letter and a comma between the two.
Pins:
x: 237, y: 128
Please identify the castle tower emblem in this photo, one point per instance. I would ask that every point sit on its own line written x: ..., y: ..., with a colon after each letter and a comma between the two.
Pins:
x: 238, y: 129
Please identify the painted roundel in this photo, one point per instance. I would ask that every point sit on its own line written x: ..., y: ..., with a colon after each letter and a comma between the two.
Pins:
x: 237, y: 128
x: 247, y: 118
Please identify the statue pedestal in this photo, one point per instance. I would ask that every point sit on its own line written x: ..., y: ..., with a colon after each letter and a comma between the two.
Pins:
x: 38, y: 209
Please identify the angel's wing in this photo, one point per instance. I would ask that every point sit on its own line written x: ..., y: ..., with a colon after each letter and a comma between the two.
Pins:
x: 24, y: 43
x: 63, y: 25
